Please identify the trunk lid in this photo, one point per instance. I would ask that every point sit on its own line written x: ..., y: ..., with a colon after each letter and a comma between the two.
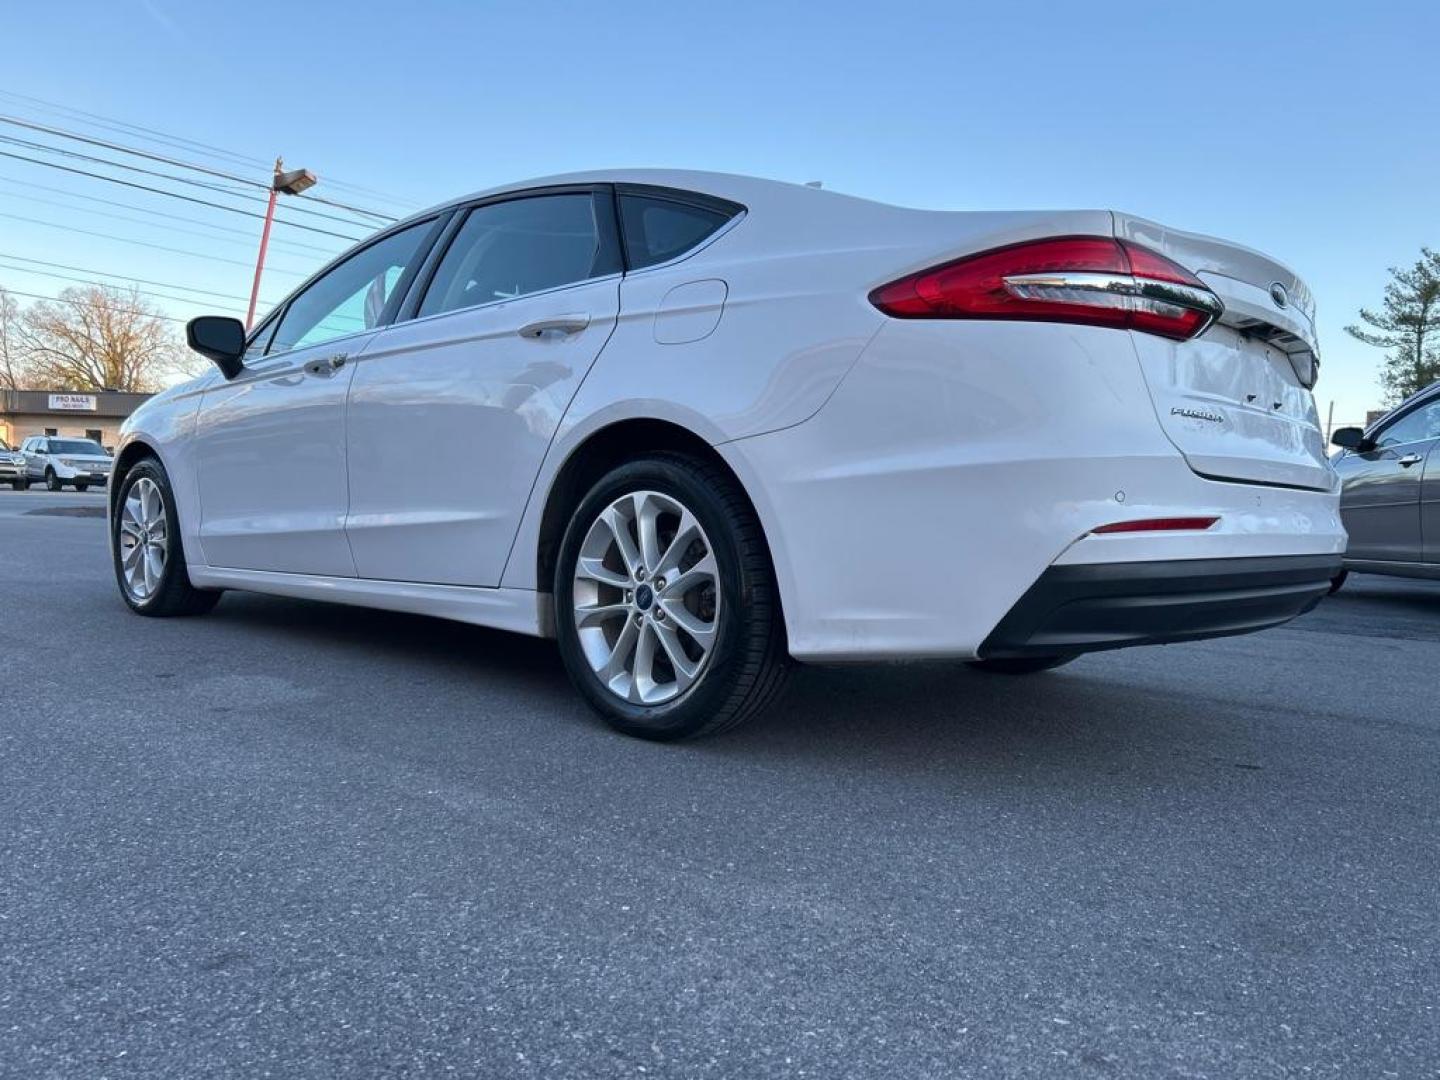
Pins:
x: 1233, y: 400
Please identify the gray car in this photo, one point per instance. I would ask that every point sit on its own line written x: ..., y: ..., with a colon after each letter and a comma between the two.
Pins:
x: 1391, y: 497
x: 12, y: 467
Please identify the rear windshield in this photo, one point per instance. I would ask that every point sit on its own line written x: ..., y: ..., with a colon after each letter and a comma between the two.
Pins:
x: 75, y: 446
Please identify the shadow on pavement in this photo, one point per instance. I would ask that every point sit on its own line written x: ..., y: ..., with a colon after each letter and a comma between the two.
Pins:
x: 67, y: 511
x: 1376, y: 588
x: 1078, y: 726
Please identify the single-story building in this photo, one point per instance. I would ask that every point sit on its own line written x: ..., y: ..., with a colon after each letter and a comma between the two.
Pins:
x: 95, y: 414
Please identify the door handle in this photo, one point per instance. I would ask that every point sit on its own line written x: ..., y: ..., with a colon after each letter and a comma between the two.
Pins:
x: 327, y: 365
x: 560, y: 326
x: 1409, y: 459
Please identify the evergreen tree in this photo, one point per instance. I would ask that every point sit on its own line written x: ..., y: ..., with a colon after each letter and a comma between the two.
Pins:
x: 1408, y: 325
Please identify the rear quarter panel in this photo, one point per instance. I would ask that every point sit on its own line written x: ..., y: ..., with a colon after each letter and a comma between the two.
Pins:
x: 797, y: 273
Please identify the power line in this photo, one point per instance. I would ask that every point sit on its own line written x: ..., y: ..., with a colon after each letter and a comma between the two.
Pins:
x: 161, y: 191
x: 388, y: 219
x: 224, y: 189
x: 205, y: 184
x: 177, y: 141
x: 246, y: 239
x: 166, y: 160
x: 142, y: 243
x: 249, y: 237
x: 81, y: 303
x: 125, y: 277
x: 134, y: 130
x: 107, y: 285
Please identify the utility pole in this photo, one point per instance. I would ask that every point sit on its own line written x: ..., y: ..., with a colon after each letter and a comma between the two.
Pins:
x: 283, y: 183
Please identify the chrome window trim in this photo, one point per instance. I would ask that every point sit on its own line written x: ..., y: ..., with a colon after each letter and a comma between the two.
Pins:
x: 616, y: 276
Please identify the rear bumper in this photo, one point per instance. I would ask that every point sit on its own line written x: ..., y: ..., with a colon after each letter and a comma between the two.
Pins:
x: 1088, y: 607
x: 960, y: 462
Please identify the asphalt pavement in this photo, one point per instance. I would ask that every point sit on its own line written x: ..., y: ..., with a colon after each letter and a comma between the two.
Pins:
x: 296, y: 840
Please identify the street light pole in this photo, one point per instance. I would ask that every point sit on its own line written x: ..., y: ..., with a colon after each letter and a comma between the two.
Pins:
x: 287, y: 183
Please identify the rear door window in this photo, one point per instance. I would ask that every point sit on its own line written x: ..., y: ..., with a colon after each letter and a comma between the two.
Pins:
x: 658, y: 229
x: 522, y: 246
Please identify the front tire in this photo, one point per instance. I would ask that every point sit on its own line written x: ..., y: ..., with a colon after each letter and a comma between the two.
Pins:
x: 666, y: 608
x: 82, y: 487
x: 52, y: 482
x: 1019, y: 665
x: 146, y: 547
x: 1338, y: 581
x: 20, y: 485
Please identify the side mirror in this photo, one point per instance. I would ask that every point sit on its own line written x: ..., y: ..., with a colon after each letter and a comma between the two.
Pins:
x: 1351, y: 438
x: 219, y: 338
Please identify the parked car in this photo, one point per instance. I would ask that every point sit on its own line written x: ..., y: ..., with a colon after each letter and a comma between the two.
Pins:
x: 1390, y: 498
x: 59, y: 461
x: 695, y: 426
x: 12, y: 467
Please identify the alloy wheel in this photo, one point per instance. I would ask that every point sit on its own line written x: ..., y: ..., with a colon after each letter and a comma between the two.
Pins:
x: 646, y: 598
x: 144, y: 539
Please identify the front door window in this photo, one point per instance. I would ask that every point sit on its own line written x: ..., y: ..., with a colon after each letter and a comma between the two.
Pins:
x: 351, y: 298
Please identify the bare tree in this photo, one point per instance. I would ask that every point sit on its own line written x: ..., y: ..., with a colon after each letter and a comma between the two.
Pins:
x: 12, y: 353
x: 99, y: 338
x: 1409, y: 326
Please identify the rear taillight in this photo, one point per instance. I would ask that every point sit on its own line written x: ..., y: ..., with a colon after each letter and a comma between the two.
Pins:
x: 1095, y: 280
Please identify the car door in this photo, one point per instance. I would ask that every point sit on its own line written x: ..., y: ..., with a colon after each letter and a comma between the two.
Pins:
x: 452, y: 408
x: 34, y: 449
x: 270, y: 444
x: 1380, y: 501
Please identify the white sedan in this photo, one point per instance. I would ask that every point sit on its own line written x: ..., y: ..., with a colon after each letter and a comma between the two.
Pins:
x: 696, y: 425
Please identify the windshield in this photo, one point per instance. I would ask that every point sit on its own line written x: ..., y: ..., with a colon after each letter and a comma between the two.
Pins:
x: 76, y: 446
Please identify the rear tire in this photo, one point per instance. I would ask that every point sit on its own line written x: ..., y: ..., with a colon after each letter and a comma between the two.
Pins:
x: 1338, y: 581
x: 163, y: 589
x: 1020, y: 665
x: 682, y: 635
x: 52, y: 481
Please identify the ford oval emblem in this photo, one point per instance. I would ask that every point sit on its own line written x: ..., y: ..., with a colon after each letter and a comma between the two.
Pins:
x: 1279, y: 295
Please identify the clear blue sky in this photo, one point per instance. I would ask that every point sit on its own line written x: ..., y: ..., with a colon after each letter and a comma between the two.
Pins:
x: 1310, y: 130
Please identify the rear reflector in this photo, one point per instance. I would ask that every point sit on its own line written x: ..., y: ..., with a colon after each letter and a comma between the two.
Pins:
x: 1092, y: 280
x: 1173, y: 524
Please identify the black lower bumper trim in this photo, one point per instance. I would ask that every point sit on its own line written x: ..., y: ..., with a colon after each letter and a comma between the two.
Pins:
x: 1074, y: 609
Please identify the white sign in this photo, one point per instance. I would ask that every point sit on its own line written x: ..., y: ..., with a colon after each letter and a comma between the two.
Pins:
x: 72, y: 402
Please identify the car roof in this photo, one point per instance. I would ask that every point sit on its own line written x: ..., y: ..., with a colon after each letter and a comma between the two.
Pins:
x: 746, y: 190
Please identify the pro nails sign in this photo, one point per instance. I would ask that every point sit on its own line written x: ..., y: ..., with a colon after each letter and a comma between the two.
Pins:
x: 72, y: 402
